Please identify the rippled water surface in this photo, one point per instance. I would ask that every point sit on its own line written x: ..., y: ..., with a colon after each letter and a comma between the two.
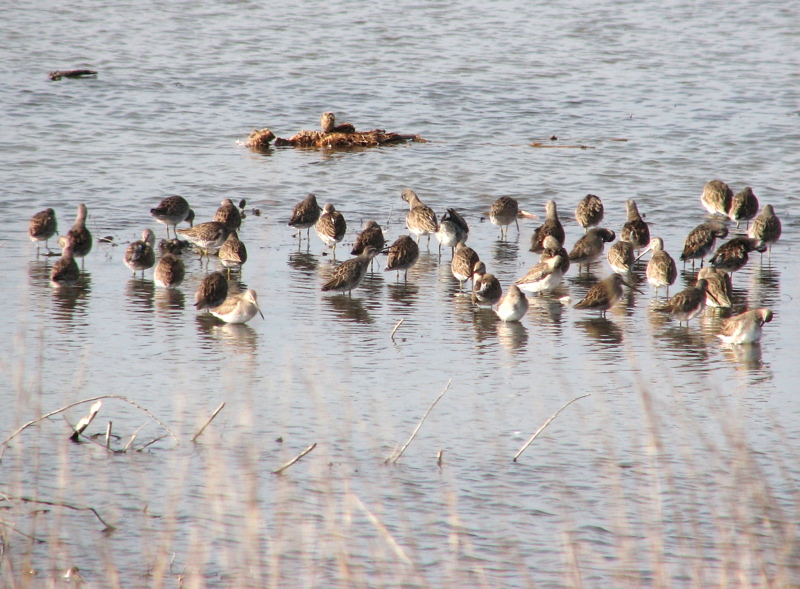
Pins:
x: 648, y: 481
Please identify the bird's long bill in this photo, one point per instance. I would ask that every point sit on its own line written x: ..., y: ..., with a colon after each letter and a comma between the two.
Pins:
x: 259, y: 311
x: 629, y: 285
x: 640, y: 256
x: 526, y: 215
x: 713, y: 298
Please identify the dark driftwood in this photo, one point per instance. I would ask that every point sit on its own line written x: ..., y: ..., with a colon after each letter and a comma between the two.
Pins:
x: 58, y: 74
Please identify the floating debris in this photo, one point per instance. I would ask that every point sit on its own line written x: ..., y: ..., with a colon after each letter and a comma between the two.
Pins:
x: 331, y: 136
x: 58, y: 74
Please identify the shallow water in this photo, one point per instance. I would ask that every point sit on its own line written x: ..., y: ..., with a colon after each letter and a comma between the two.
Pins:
x: 695, y: 91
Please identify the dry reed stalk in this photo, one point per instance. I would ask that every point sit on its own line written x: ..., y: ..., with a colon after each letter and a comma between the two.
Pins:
x: 398, y: 550
x: 394, y: 458
x: 57, y: 411
x: 205, y: 425
x: 108, y: 435
x: 295, y: 459
x: 133, y: 437
x: 439, y: 458
x: 545, y: 424
x: 84, y: 421
x: 396, y: 327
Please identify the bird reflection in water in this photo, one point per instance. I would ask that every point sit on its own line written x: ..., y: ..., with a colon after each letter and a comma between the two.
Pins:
x: 505, y: 254
x: 403, y: 293
x: 348, y: 308
x: 212, y: 331
x: 764, y: 290
x: 512, y: 335
x: 140, y: 294
x: 484, y: 324
x: 170, y: 301
x: 547, y: 308
x: 686, y: 343
x: 69, y: 301
x: 747, y: 357
x: 39, y: 274
x: 304, y: 262
x: 605, y: 332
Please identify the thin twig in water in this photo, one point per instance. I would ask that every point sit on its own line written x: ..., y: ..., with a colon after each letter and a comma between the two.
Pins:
x: 394, y: 458
x: 398, y: 550
x: 151, y: 442
x: 108, y: 527
x: 57, y: 411
x: 205, y: 425
x: 439, y: 458
x: 389, y: 218
x: 108, y: 436
x: 545, y: 424
x: 133, y: 437
x: 295, y: 459
x: 13, y: 528
x: 399, y: 323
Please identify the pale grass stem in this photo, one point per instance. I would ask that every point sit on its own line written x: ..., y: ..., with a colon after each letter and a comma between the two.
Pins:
x: 545, y: 424
x: 393, y: 458
x: 205, y: 425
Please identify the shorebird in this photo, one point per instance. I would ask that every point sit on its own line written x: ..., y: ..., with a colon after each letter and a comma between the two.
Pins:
x: 452, y: 230
x: 305, y: 215
x: 170, y: 271
x: 552, y: 249
x: 766, y: 227
x: 718, y: 287
x: 513, y: 305
x: 661, y: 269
x: 486, y: 289
x: 551, y: 226
x: 744, y: 206
x: 79, y: 236
x: 140, y: 254
x: 233, y: 253
x: 543, y: 276
x: 42, y: 227
x: 172, y: 211
x: 590, y: 246
x: 238, y: 308
x: 621, y: 257
x: 688, y: 303
x: 173, y: 246
x: 463, y: 263
x: 403, y: 254
x: 604, y: 294
x: 420, y: 219
x: 228, y: 214
x: 331, y: 227
x: 206, y: 236
x: 701, y: 240
x: 733, y: 254
x: 635, y: 230
x: 716, y: 197
x: 212, y: 292
x: 327, y: 122
x: 349, y: 274
x: 745, y: 328
x: 504, y: 211
x: 65, y: 271
x: 372, y: 234
x: 589, y: 212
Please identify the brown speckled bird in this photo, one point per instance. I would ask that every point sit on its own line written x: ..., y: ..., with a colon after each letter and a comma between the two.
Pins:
x: 486, y: 289
x: 212, y: 292
x: 635, y: 229
x: 173, y: 211
x: 551, y: 226
x: 745, y: 328
x: 744, y: 206
x: 403, y: 254
x: 604, y: 294
x: 701, y: 240
x: 420, y: 219
x: 590, y: 246
x: 463, y: 264
x: 661, y: 269
x: 305, y: 215
x: 229, y: 215
x: 766, y: 228
x: 331, y: 227
x: 42, y: 227
x: 350, y: 273
x: 589, y: 212
x: 170, y: 271
x: 716, y: 197
x: 140, y: 255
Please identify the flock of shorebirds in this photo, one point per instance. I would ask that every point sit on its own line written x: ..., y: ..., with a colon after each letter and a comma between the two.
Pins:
x: 712, y: 287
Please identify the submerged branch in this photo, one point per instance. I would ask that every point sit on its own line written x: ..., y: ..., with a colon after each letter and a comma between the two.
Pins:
x: 210, y: 419
x: 545, y: 424
x: 394, y: 458
x: 108, y: 527
x: 295, y: 459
